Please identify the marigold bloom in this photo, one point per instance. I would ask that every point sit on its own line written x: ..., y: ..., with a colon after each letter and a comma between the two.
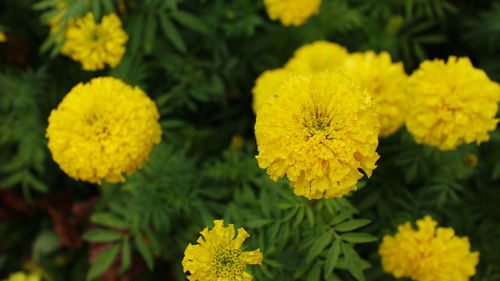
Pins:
x: 102, y: 129
x: 317, y: 57
x: 452, y: 103
x: 93, y: 44
x: 428, y: 254
x: 21, y: 276
x: 319, y: 130
x: 218, y: 256
x: 292, y: 12
x: 386, y: 82
x: 3, y: 38
x: 266, y: 84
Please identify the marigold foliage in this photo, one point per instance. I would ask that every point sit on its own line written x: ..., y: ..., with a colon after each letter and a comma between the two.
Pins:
x: 428, y: 254
x: 318, y: 130
x: 317, y: 57
x: 102, y: 129
x: 21, y: 276
x: 292, y: 12
x: 218, y: 255
x: 266, y: 84
x: 452, y: 103
x: 93, y: 44
x: 386, y: 82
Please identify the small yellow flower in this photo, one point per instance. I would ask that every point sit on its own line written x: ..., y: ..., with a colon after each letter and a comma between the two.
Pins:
x: 218, y: 255
x: 319, y: 130
x: 102, y: 129
x: 428, y: 254
x: 451, y: 104
x: 93, y: 44
x: 21, y: 276
x: 266, y: 84
x: 386, y: 82
x: 317, y: 57
x: 292, y: 12
x: 3, y: 38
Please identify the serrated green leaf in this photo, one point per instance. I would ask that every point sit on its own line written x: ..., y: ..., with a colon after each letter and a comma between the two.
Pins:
x: 149, y: 33
x: 144, y: 250
x: 351, y: 225
x: 357, y: 237
x: 171, y: 32
x: 353, y: 262
x: 319, y: 245
x: 259, y: 222
x: 315, y: 273
x: 342, y: 216
x: 108, y: 219
x: 190, y: 21
x: 126, y: 256
x: 102, y: 235
x: 332, y: 256
x: 103, y: 262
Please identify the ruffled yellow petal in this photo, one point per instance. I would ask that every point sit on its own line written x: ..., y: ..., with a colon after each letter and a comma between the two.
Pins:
x: 451, y: 103
x: 430, y: 253
x: 292, y: 12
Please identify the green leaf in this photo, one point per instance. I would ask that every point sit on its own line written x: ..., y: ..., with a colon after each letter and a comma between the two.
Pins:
x: 102, y: 235
x: 315, y: 273
x: 144, y: 250
x: 103, y: 262
x: 354, y: 265
x: 332, y: 256
x: 149, y: 34
x: 126, y: 256
x: 108, y: 219
x: 342, y: 216
x: 259, y: 222
x: 351, y: 225
x: 357, y: 237
x: 96, y: 9
x: 190, y: 21
x: 319, y: 245
x: 172, y: 33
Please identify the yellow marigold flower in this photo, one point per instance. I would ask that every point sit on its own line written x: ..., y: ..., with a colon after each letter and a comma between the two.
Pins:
x: 292, y: 12
x: 21, y: 276
x: 218, y: 256
x: 3, y: 38
x: 428, y: 254
x: 386, y: 82
x: 452, y: 103
x: 102, y: 129
x: 317, y: 57
x: 94, y: 44
x: 265, y: 85
x: 318, y: 130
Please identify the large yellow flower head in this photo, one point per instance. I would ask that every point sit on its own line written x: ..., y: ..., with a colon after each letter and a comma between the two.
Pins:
x: 319, y: 130
x: 292, y: 12
x: 102, y: 129
x: 428, y: 254
x: 93, y: 44
x: 265, y: 85
x: 21, y: 276
x: 386, y: 82
x: 452, y: 103
x: 317, y: 57
x: 218, y: 255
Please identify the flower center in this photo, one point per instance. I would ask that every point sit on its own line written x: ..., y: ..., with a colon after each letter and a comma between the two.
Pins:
x: 227, y: 263
x: 317, y: 123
